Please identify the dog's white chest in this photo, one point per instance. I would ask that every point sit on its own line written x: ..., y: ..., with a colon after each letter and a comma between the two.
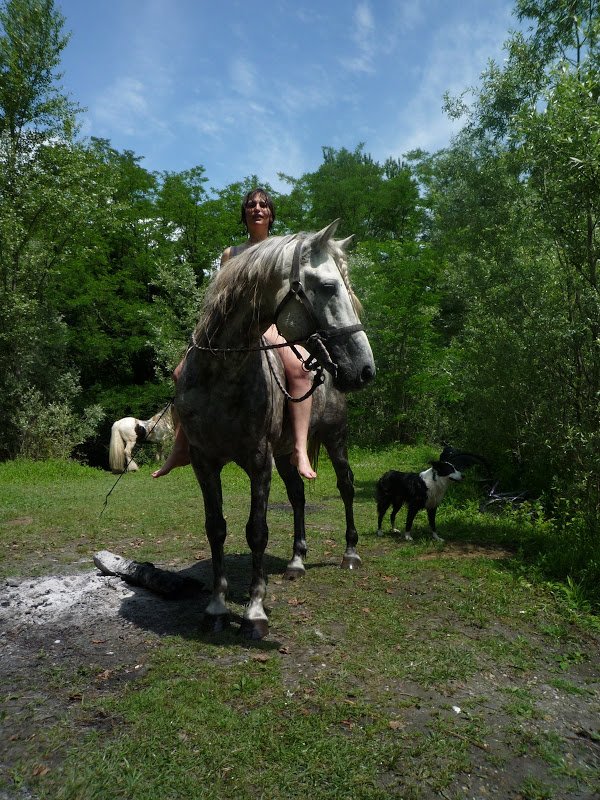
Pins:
x: 436, y: 488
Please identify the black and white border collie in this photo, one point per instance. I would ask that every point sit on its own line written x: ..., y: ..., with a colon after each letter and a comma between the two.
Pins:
x: 418, y: 490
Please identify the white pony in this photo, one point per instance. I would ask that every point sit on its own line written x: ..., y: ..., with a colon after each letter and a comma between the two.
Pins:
x: 129, y: 431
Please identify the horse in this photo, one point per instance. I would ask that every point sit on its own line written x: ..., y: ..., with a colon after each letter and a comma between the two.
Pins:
x: 230, y: 393
x: 127, y: 432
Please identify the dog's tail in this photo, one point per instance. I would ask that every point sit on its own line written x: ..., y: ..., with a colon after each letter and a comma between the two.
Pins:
x: 380, y: 492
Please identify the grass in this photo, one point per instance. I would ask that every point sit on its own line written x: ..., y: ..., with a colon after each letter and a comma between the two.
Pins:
x: 423, y: 672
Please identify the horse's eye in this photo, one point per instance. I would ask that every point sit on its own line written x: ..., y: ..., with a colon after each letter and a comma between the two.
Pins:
x: 329, y: 289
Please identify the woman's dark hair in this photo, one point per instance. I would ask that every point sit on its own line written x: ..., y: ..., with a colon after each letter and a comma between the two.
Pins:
x: 261, y: 194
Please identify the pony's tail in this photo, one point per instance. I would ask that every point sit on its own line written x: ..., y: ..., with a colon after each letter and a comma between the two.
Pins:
x: 116, y: 451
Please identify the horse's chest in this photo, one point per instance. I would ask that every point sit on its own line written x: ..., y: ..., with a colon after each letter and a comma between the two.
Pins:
x: 231, y: 416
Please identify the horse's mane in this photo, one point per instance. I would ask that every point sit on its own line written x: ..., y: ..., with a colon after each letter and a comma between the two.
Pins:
x: 340, y: 258
x: 245, y: 274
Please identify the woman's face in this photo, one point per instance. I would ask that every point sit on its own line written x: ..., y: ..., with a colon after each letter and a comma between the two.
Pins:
x: 258, y: 214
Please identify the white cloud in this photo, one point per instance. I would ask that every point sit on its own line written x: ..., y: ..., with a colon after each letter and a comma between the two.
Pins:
x: 365, y: 26
x: 458, y: 55
x: 122, y: 105
x: 363, y: 35
x: 130, y: 108
x: 243, y: 77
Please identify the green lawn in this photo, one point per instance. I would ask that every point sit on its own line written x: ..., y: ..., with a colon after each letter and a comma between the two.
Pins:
x: 434, y: 670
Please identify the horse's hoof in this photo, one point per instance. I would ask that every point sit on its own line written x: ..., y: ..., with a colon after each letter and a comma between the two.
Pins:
x: 293, y: 573
x: 351, y: 562
x: 254, y: 628
x: 215, y: 623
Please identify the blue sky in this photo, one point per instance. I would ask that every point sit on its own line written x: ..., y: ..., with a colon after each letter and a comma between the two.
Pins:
x: 259, y: 88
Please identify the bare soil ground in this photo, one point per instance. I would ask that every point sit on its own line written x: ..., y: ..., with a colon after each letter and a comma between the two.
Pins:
x: 65, y: 638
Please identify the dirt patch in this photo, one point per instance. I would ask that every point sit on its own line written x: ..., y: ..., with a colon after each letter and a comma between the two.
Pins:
x: 467, y: 550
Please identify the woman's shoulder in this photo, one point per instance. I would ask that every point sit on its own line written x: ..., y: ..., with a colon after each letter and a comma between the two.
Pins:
x: 233, y: 250
x: 228, y: 253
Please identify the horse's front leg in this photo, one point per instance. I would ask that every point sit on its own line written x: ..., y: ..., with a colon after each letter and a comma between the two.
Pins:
x: 216, y: 614
x: 295, y: 491
x: 338, y: 455
x: 255, y: 624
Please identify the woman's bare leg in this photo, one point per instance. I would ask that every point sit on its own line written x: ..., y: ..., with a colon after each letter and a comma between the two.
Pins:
x: 300, y: 417
x: 299, y: 383
x: 180, y: 454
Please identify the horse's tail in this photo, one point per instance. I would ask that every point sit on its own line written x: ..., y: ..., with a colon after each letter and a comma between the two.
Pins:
x: 116, y: 450
x: 314, y: 448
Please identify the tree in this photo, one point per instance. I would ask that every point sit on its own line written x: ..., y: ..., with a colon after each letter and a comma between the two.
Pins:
x: 522, y: 260
x: 30, y: 48
x: 107, y: 282
x: 43, y: 199
x: 396, y: 283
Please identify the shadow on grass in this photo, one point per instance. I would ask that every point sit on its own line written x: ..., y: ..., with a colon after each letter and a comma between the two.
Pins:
x: 183, y: 617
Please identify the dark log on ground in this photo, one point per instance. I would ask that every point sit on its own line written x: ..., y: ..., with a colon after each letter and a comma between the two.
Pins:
x: 168, y: 584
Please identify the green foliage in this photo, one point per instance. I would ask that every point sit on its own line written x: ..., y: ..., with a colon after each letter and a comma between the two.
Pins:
x: 31, y: 41
x: 396, y: 284
x: 372, y: 201
x: 54, y: 429
x: 43, y: 207
x: 515, y: 203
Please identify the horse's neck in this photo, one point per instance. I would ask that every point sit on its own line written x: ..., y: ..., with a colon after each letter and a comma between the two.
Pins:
x: 254, y: 309
x: 247, y: 323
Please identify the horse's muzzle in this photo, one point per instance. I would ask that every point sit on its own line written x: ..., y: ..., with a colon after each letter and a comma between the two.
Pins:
x: 367, y: 374
x: 353, y: 380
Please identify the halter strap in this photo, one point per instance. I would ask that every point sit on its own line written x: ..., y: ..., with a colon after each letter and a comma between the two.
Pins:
x: 296, y: 290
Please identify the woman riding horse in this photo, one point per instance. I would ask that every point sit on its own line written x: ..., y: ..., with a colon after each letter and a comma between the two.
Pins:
x: 258, y: 216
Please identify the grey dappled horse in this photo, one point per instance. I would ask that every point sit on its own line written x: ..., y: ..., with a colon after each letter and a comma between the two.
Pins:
x: 229, y: 394
x: 127, y: 432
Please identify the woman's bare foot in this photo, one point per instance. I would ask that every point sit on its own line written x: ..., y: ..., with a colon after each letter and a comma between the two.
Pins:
x: 177, y: 458
x: 301, y: 461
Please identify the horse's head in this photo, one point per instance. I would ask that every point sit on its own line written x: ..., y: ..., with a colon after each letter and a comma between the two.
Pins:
x: 317, y: 306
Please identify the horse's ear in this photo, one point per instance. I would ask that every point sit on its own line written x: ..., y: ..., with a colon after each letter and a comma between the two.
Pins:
x: 320, y: 239
x: 343, y: 243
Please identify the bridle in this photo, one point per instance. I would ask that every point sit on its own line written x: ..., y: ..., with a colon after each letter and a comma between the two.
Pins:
x: 316, y: 341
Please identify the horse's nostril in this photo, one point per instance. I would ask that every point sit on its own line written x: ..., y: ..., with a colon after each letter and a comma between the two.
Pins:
x: 367, y: 374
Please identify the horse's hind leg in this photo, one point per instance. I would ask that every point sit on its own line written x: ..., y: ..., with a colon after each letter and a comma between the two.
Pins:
x: 130, y: 464
x: 295, y: 491
x: 216, y: 614
x: 338, y: 454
